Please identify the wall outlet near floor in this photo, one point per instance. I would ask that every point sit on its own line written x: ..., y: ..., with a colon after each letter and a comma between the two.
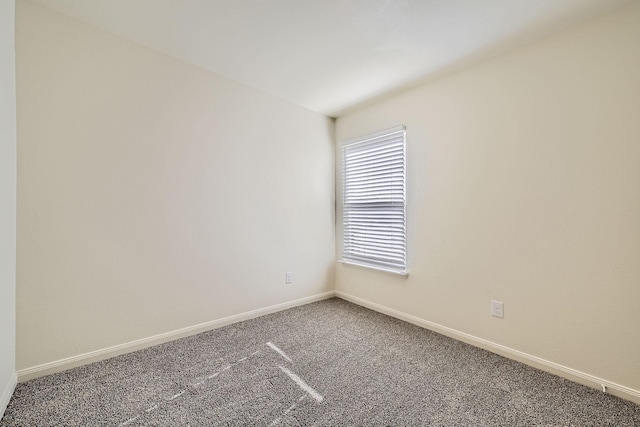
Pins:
x: 497, y: 308
x: 288, y: 277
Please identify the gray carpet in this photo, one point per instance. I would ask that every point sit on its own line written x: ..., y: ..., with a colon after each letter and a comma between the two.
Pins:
x: 330, y: 363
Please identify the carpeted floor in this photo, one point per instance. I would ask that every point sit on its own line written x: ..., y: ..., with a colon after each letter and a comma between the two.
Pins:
x: 330, y: 363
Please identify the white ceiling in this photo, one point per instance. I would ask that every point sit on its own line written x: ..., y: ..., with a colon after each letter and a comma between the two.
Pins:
x: 332, y: 55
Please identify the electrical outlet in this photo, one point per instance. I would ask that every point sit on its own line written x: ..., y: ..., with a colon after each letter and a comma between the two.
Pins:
x: 288, y: 278
x: 497, y: 309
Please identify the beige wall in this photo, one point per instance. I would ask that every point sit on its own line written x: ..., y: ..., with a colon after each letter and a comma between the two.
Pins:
x: 7, y: 202
x: 524, y: 186
x: 154, y: 195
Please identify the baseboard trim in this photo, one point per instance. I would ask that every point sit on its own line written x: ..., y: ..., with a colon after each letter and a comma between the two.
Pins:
x: 106, y: 353
x: 510, y: 353
x: 7, y: 393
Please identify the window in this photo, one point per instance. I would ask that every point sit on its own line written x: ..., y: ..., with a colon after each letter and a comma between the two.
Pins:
x: 374, y: 205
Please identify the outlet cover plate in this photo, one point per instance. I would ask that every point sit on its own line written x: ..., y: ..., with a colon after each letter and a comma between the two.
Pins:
x: 497, y: 309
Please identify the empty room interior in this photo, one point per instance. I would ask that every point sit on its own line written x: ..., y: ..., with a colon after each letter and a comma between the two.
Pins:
x: 319, y: 212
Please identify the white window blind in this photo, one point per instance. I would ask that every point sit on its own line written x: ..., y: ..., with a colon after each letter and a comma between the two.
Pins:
x: 374, y: 210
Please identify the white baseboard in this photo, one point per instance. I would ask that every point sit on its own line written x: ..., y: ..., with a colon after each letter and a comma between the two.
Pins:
x: 7, y: 393
x: 105, y: 353
x: 528, y: 359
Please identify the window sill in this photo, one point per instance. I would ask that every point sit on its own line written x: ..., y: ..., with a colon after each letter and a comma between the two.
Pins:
x: 403, y: 274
